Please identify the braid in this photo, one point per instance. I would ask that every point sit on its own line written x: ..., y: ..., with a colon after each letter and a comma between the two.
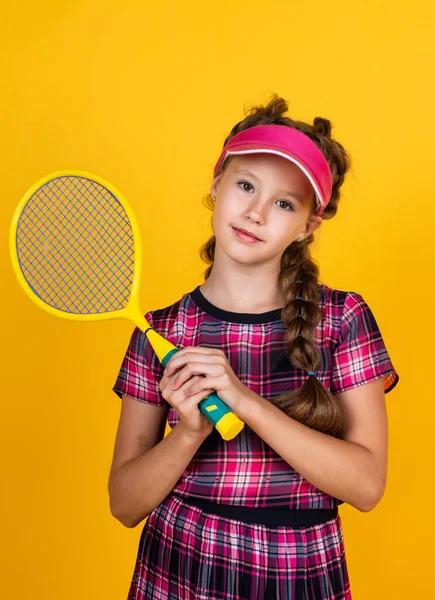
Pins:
x: 298, y: 280
x: 312, y: 404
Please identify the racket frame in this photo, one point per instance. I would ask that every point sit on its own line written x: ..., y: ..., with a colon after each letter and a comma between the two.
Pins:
x: 132, y: 310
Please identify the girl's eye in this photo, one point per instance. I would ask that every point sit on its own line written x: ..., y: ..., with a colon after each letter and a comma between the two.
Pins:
x: 244, y: 183
x: 285, y: 202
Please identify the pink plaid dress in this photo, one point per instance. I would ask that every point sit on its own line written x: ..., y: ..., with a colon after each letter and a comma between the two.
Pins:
x: 186, y: 553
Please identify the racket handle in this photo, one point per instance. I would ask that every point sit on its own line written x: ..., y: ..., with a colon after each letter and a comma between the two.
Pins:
x: 217, y: 412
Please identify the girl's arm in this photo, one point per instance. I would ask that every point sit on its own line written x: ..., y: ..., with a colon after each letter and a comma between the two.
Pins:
x: 353, y: 469
x: 139, y: 484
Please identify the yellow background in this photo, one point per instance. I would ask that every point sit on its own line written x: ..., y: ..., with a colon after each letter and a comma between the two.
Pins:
x: 144, y: 94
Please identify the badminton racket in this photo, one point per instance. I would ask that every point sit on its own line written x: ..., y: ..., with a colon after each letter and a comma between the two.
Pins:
x: 76, y: 251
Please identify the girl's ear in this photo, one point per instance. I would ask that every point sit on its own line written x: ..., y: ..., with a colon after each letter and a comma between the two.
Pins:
x: 313, y: 223
x: 316, y: 222
x: 215, y: 185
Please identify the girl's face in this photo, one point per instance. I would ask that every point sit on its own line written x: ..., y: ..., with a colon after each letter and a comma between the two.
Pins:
x: 268, y: 196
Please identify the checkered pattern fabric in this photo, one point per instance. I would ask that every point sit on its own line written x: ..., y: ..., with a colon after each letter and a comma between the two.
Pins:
x: 183, y: 552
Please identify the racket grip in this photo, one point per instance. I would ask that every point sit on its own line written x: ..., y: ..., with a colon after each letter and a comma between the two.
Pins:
x: 217, y: 412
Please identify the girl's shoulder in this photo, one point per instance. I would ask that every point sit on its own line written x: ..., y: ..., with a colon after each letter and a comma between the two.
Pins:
x: 173, y: 320
x: 163, y: 319
x: 344, y: 309
x: 358, y: 348
x: 336, y: 300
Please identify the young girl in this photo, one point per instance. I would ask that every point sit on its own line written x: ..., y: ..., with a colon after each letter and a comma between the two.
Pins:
x: 303, y: 365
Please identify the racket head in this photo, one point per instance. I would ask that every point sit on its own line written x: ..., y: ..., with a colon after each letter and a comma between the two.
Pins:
x: 56, y: 212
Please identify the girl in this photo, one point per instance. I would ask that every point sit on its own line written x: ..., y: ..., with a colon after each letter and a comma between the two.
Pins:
x: 303, y: 365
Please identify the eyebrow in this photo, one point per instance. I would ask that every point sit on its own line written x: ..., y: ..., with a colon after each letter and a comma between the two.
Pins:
x: 294, y: 195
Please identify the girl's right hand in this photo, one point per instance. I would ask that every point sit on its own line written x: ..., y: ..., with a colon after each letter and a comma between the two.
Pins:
x: 192, y: 419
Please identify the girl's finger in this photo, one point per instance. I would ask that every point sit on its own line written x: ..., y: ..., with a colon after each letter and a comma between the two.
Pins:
x: 182, y: 391
x: 195, y: 368
x: 197, y: 386
x: 195, y: 399
x: 177, y: 360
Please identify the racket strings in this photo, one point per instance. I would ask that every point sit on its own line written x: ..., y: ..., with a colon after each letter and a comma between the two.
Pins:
x: 75, y: 246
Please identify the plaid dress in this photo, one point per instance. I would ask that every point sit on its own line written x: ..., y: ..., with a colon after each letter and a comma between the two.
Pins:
x: 188, y: 553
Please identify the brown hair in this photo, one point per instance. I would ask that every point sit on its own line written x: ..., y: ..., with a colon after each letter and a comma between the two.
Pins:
x: 311, y: 404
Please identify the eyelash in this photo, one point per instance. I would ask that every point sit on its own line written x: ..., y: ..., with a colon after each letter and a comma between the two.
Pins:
x: 291, y: 207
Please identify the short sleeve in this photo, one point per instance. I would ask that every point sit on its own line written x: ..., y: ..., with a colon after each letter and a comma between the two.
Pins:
x: 361, y: 355
x: 140, y: 373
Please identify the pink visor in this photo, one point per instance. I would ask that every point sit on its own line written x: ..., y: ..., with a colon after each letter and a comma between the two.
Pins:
x: 291, y: 144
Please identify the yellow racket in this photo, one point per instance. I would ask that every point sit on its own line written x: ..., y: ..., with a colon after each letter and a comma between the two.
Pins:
x: 77, y: 253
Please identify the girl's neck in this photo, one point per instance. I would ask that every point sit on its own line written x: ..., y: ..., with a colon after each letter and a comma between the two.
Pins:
x: 243, y: 301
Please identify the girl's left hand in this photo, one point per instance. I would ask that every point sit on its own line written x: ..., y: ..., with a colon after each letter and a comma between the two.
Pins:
x: 217, y: 371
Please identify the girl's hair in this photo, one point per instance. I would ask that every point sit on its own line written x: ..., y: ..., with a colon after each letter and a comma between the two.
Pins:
x: 311, y: 404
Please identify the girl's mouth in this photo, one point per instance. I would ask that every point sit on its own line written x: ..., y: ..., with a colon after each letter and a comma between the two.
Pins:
x: 245, y: 237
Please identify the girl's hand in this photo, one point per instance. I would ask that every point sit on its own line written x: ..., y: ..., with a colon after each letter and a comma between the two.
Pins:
x: 215, y: 374
x: 186, y: 403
